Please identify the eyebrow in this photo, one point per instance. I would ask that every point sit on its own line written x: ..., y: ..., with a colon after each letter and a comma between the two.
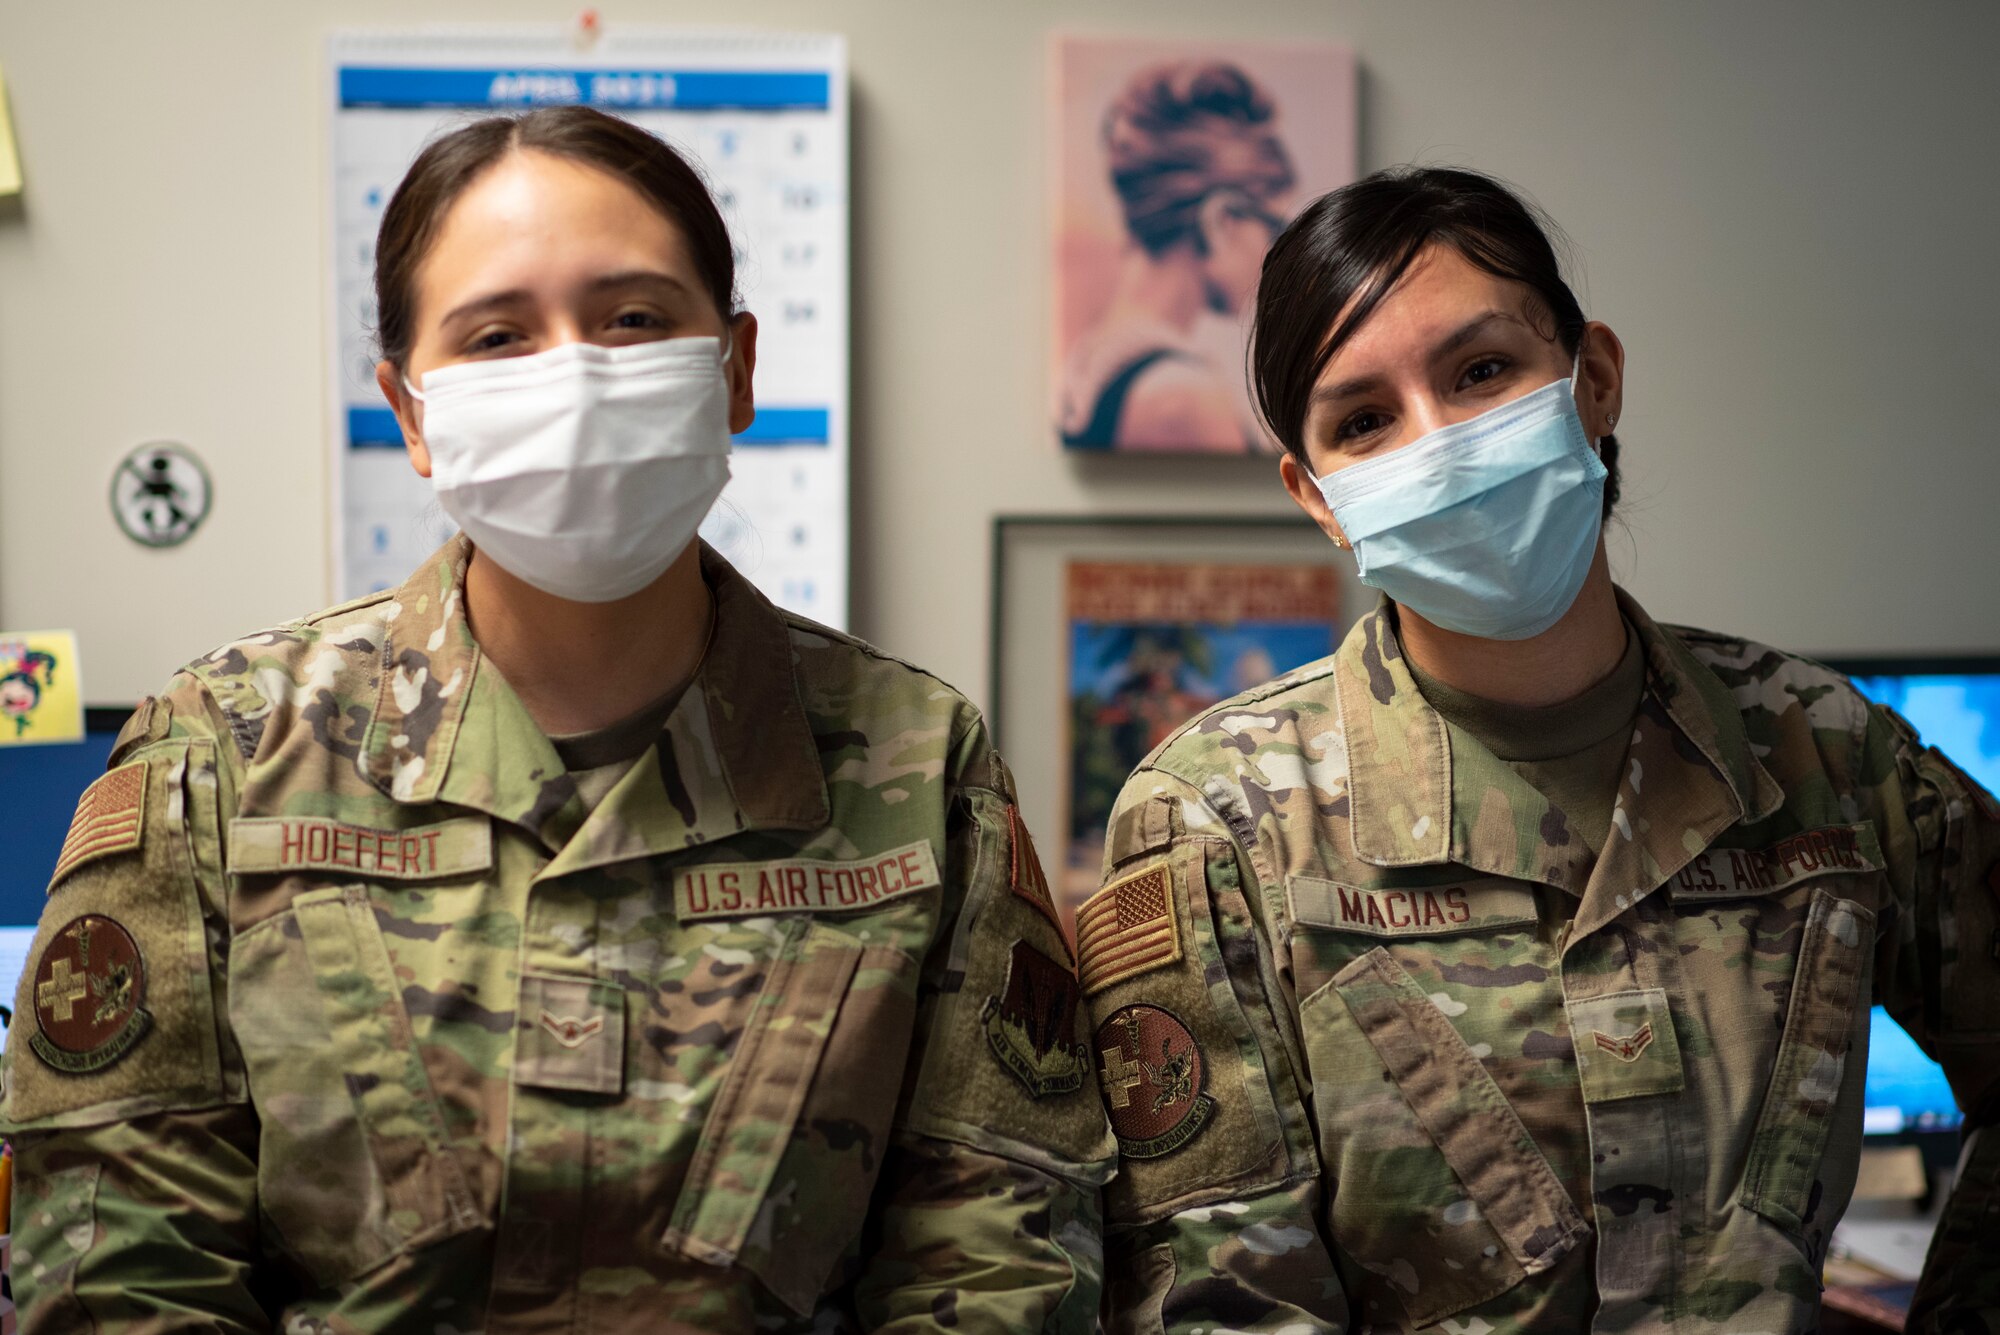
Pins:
x: 1451, y: 343
x: 515, y: 295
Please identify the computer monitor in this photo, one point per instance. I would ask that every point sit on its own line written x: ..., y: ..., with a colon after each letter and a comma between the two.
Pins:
x: 1955, y: 704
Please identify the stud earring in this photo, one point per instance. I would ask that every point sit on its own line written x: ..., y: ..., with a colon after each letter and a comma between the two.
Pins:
x: 1610, y: 420
x: 1342, y: 543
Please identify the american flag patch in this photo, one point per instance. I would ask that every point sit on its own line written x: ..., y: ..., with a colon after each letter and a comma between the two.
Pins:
x: 1127, y: 928
x: 110, y: 817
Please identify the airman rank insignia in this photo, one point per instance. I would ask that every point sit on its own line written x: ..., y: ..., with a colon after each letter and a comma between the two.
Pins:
x: 1127, y: 928
x: 110, y: 818
x: 1628, y: 1047
x: 89, y: 985
x: 1025, y: 876
x: 1154, y: 1081
x: 1031, y: 1026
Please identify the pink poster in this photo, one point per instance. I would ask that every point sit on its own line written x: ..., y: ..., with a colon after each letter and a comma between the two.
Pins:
x: 1176, y: 163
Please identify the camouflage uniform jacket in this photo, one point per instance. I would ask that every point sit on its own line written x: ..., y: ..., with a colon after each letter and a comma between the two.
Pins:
x: 345, y: 1015
x: 1386, y: 1047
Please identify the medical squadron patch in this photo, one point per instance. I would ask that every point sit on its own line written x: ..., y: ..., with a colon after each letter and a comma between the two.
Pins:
x: 1154, y: 1081
x: 1031, y: 1025
x: 88, y: 989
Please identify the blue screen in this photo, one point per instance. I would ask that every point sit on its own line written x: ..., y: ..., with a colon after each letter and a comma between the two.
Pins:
x: 39, y: 786
x: 1905, y: 1090
x: 1959, y: 714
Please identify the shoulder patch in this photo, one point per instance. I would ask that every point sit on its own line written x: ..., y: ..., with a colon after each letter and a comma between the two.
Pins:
x: 1024, y: 872
x: 110, y: 818
x: 88, y: 988
x: 1154, y: 1080
x: 1031, y: 1025
x: 803, y: 885
x: 1128, y: 928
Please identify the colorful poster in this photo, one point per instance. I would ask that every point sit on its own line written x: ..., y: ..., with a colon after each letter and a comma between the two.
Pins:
x: 40, y: 700
x: 1176, y: 164
x: 764, y: 118
x: 1150, y: 646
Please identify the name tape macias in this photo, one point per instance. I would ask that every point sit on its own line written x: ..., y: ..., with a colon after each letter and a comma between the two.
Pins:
x: 314, y: 843
x: 803, y: 885
x: 1409, y: 910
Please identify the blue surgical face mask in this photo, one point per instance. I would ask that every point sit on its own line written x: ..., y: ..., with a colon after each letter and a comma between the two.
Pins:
x: 1486, y: 527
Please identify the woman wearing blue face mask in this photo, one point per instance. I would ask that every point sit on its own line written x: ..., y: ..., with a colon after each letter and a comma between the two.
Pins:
x: 1511, y: 969
x: 569, y: 938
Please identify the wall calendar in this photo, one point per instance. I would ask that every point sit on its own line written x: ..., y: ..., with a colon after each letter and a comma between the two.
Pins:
x: 764, y: 117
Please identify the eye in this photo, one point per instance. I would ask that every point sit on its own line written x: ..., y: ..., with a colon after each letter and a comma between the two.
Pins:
x: 490, y: 341
x: 637, y: 320
x: 1363, y: 423
x: 1481, y: 371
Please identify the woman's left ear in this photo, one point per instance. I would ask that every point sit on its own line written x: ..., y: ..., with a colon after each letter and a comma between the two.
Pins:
x: 741, y: 369
x: 1603, y: 400
x: 390, y: 381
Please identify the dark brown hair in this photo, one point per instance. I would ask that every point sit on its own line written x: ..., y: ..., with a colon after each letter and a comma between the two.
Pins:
x: 1180, y: 132
x: 1357, y: 242
x: 445, y: 168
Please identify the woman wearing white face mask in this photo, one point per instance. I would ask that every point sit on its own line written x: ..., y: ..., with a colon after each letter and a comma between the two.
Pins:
x: 568, y: 938
x: 1523, y: 949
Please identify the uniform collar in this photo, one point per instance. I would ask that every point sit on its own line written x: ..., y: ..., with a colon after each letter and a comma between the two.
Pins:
x: 1422, y: 793
x: 737, y: 753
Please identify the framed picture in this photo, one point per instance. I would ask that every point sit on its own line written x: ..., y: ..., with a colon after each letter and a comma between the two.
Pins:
x: 1175, y: 165
x: 1109, y: 632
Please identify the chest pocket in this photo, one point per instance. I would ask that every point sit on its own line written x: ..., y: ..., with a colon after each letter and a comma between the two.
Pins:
x: 1442, y: 1195
x: 788, y: 1156
x: 353, y: 1167
x: 1807, y: 902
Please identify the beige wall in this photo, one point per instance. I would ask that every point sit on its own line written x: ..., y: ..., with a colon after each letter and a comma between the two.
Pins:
x: 1786, y: 210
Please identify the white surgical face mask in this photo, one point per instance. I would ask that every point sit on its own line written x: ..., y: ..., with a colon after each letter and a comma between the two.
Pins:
x: 1487, y: 527
x: 582, y: 470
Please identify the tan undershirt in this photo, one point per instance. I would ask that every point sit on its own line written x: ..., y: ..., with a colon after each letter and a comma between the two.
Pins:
x: 598, y: 759
x: 1571, y: 753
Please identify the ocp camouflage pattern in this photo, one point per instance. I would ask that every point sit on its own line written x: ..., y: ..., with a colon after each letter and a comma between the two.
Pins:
x: 439, y: 1045
x: 1471, y: 1077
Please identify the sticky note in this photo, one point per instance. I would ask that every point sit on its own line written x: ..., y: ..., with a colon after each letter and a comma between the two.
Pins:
x: 10, y: 160
x: 40, y: 698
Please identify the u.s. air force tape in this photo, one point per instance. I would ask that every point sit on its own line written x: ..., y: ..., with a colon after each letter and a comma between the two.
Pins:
x: 803, y: 885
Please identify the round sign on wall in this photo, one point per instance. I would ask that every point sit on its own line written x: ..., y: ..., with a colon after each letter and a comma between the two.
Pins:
x: 160, y: 494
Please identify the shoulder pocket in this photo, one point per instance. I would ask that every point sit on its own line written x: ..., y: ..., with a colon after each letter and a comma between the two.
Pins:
x: 337, y: 1080
x: 115, y: 1016
x: 1181, y: 1069
x: 1006, y: 1068
x: 788, y: 1156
